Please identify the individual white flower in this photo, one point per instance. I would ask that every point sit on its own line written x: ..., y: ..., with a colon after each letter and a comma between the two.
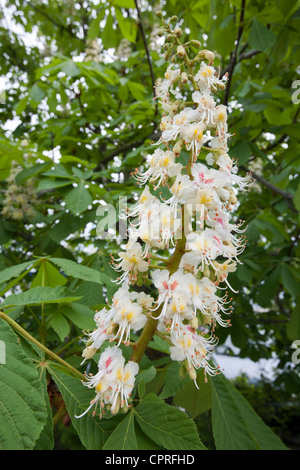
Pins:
x: 129, y: 316
x: 205, y: 201
x: 194, y: 348
x: 206, y: 107
x: 220, y: 118
x: 180, y: 121
x: 225, y: 162
x: 205, y: 245
x: 223, y: 269
x: 183, y: 192
x: 145, y: 200
x: 161, y: 166
x: 168, y: 286
x: 131, y: 262
x: 179, y: 310
x: 124, y: 376
x: 207, y: 78
x: 145, y: 300
x: 171, y: 76
x: 193, y: 136
x: 189, y: 263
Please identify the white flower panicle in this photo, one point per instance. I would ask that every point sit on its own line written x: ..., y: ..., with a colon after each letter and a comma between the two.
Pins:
x: 182, y: 244
x: 113, y: 383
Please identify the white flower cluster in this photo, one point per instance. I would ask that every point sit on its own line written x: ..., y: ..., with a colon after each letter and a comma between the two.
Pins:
x: 113, y: 382
x: 20, y: 200
x: 192, y: 224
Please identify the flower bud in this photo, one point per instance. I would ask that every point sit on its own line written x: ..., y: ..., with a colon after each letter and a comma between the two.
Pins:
x: 196, y: 43
x: 206, y: 54
x: 180, y: 51
x: 178, y: 147
x: 232, y: 199
x: 89, y: 352
x: 194, y: 323
x: 184, y: 77
x: 167, y: 55
x: 192, y: 373
x: 178, y: 32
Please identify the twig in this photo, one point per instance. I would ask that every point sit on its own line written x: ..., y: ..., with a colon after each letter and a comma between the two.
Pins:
x: 243, y: 56
x: 233, y: 59
x: 122, y: 149
x: 269, y: 185
x: 141, y: 26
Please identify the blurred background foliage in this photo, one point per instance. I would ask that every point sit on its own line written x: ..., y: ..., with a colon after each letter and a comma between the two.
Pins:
x: 78, y: 116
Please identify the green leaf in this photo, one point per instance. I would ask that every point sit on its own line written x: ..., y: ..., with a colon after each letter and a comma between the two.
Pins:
x: 137, y: 90
x: 22, y: 407
x: 32, y: 171
x: 241, y: 152
x: 80, y: 315
x: 78, y: 271
x: 297, y: 199
x: 70, y: 68
x: 48, y: 276
x: 195, y: 401
x: 39, y: 295
x: 127, y: 26
x: 260, y: 37
x: 92, y: 431
x: 290, y: 280
x: 270, y: 287
x: 146, y: 375
x: 46, y: 439
x: 91, y: 294
x: 144, y: 442
x: 123, y: 3
x: 36, y: 94
x: 123, y: 437
x: 141, y: 389
x: 14, y: 271
x: 48, y: 183
x: 78, y: 199
x: 94, y: 28
x: 166, y: 425
x: 173, y: 382
x: 236, y: 426
x: 60, y: 325
x: 293, y: 327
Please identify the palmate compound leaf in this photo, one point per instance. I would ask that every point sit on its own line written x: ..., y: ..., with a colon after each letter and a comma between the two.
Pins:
x: 40, y: 295
x: 166, y: 425
x: 92, y: 431
x: 236, y: 426
x: 23, y: 410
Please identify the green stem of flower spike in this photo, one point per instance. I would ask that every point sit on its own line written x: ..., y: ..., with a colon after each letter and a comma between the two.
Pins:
x: 47, y: 351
